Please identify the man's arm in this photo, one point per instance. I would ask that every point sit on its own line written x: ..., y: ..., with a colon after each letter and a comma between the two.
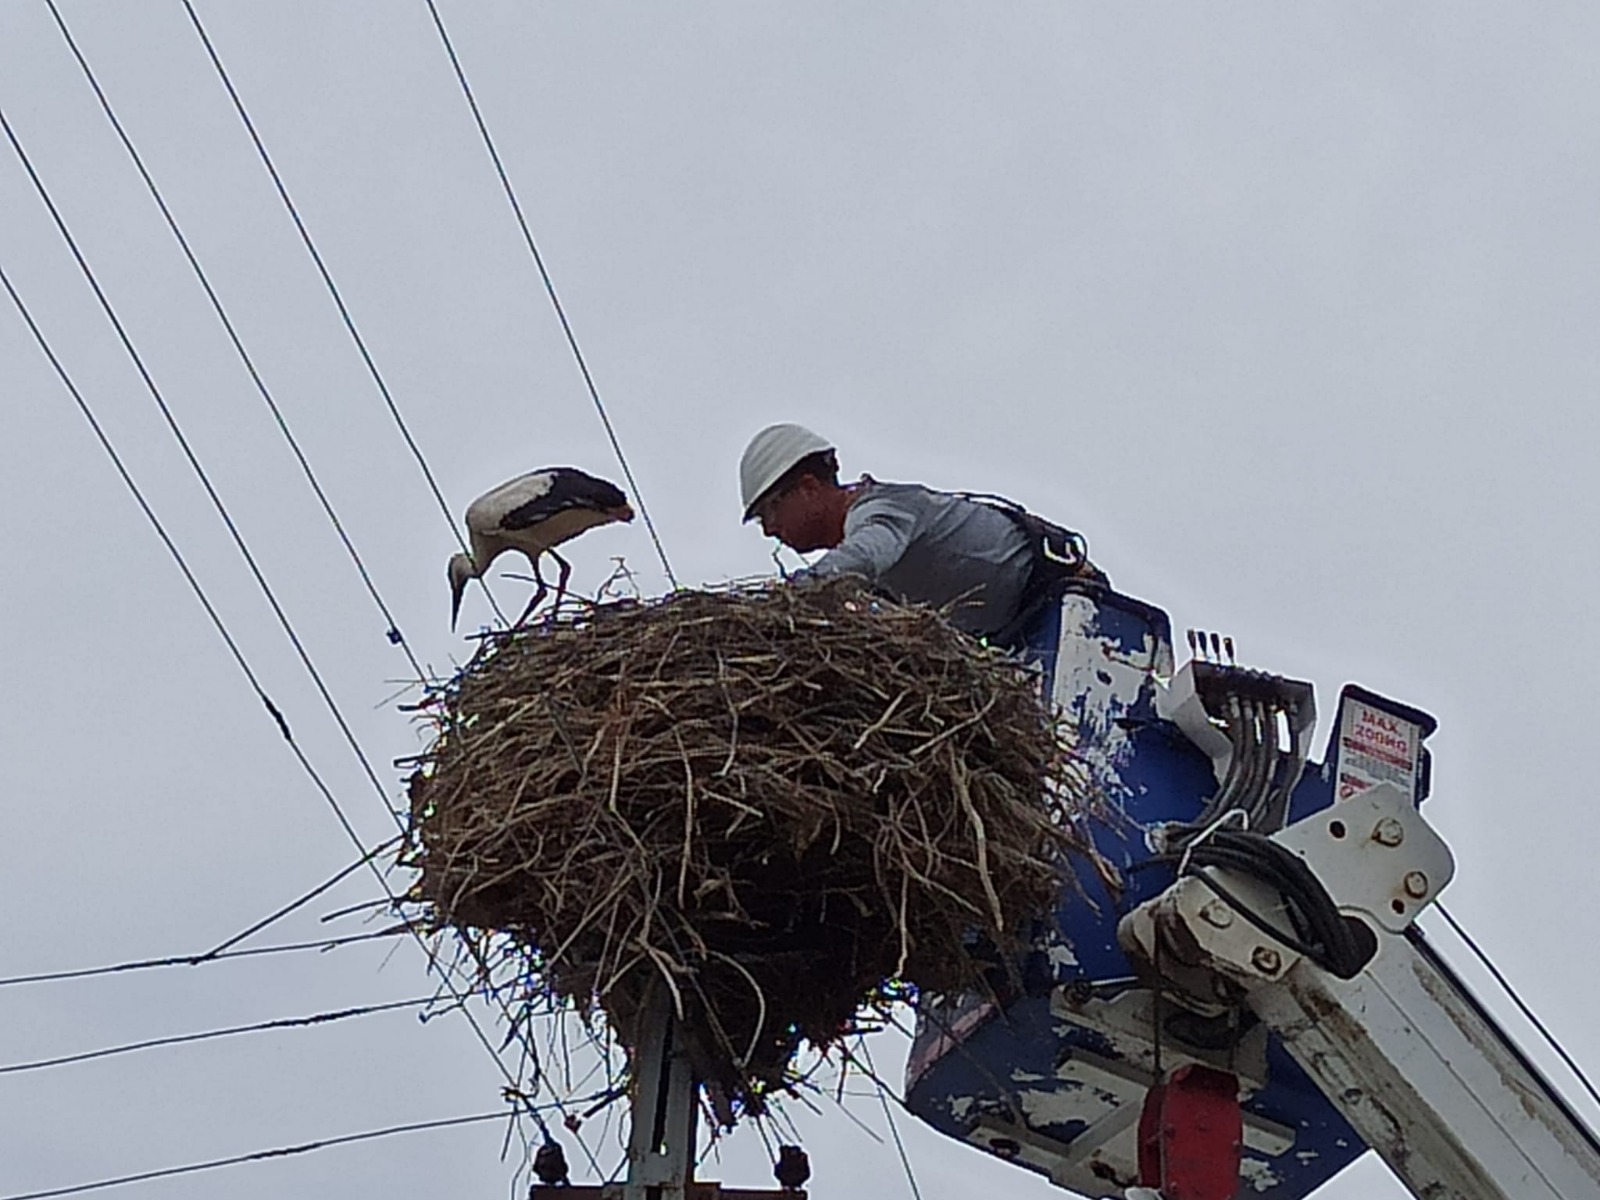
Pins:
x: 877, y: 534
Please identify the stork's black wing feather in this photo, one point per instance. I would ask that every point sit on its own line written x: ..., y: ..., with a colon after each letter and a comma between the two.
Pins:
x: 569, y: 488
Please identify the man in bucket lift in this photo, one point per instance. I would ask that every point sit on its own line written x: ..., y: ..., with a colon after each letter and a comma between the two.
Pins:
x: 998, y: 566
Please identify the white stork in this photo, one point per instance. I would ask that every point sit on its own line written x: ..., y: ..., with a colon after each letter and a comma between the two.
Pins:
x: 534, y: 513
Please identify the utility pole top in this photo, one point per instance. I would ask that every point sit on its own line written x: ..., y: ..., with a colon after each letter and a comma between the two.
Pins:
x: 662, y: 1139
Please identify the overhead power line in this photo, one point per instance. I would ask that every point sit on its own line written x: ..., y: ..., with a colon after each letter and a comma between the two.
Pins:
x: 256, y: 1156
x: 196, y: 960
x: 161, y: 532
x: 205, y: 480
x: 239, y: 540
x: 1522, y: 1005
x: 884, y: 1093
x: 300, y: 901
x: 377, y: 377
x: 333, y: 288
x: 392, y: 626
x: 322, y: 1018
x: 233, y: 647
x: 550, y: 289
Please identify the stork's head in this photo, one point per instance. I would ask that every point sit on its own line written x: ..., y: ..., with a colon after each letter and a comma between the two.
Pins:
x: 461, y: 570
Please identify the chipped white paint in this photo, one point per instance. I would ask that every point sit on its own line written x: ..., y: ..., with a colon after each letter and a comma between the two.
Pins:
x: 1094, y: 685
x: 1060, y: 956
x: 1055, y: 1105
x: 1258, y: 1173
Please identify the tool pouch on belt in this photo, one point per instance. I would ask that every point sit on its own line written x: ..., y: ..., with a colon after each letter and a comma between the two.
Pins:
x: 1060, y: 563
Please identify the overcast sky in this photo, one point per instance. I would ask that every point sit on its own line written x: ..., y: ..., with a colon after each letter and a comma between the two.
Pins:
x: 1290, y: 308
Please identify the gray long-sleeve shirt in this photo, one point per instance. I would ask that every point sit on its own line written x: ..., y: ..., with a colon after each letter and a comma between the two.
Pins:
x: 928, y: 547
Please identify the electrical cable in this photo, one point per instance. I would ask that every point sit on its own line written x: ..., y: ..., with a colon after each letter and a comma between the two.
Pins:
x: 888, y: 1116
x: 333, y: 289
x: 176, y: 430
x: 195, y: 960
x: 393, y: 628
x: 237, y: 653
x: 244, y: 551
x: 1522, y: 1006
x: 300, y: 901
x: 166, y: 540
x: 205, y: 481
x: 216, y: 500
x: 256, y: 1156
x: 1293, y: 767
x: 1316, y: 917
x: 1223, y: 799
x: 1262, y: 760
x: 1321, y: 932
x: 349, y: 324
x: 550, y: 289
x: 179, y: 1039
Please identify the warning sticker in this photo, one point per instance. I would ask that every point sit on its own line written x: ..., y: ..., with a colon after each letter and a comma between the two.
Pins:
x: 1376, y: 747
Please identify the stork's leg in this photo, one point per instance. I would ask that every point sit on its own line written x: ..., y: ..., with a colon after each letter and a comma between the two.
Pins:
x: 539, y: 594
x: 566, y: 573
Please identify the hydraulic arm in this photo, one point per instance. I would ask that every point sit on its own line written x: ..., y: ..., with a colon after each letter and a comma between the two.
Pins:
x: 1255, y: 1007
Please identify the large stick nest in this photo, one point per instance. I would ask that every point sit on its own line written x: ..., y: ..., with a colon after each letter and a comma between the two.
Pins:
x: 762, y: 804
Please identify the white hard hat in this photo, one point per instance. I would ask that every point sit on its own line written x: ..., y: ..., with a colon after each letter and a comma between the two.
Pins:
x: 771, y: 453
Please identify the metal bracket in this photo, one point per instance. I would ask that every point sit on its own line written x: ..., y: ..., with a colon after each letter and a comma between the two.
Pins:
x: 1424, y: 1074
x: 1374, y: 853
x: 661, y: 1142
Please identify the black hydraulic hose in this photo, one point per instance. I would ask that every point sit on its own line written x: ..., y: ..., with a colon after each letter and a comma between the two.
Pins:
x: 1294, y: 763
x: 1342, y: 953
x: 1321, y: 932
x: 1259, y: 771
x: 1289, y: 939
x: 1274, y: 719
x: 1223, y: 800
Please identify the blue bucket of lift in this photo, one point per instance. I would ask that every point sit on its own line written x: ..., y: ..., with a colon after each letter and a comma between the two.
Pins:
x: 1053, y: 1077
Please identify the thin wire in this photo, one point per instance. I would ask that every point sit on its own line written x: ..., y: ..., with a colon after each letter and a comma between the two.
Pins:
x: 333, y: 289
x: 249, y: 673
x: 243, y: 548
x: 195, y: 960
x: 300, y: 901
x: 888, y: 1115
x: 392, y: 625
x: 205, y: 481
x: 322, y: 1018
x: 257, y: 1156
x: 394, y: 634
x: 194, y: 462
x: 550, y: 289
x: 166, y: 540
x: 1521, y: 1004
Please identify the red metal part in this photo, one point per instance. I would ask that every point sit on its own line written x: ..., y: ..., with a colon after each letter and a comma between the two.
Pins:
x: 1190, y: 1135
x: 697, y: 1190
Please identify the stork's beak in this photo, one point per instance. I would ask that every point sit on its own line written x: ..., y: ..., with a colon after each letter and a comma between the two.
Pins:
x: 460, y: 571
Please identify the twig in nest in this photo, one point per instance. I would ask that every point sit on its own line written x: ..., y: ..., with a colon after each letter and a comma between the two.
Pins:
x: 773, y: 801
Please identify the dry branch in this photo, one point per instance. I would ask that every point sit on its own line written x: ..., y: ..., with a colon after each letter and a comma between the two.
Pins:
x: 771, y: 801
